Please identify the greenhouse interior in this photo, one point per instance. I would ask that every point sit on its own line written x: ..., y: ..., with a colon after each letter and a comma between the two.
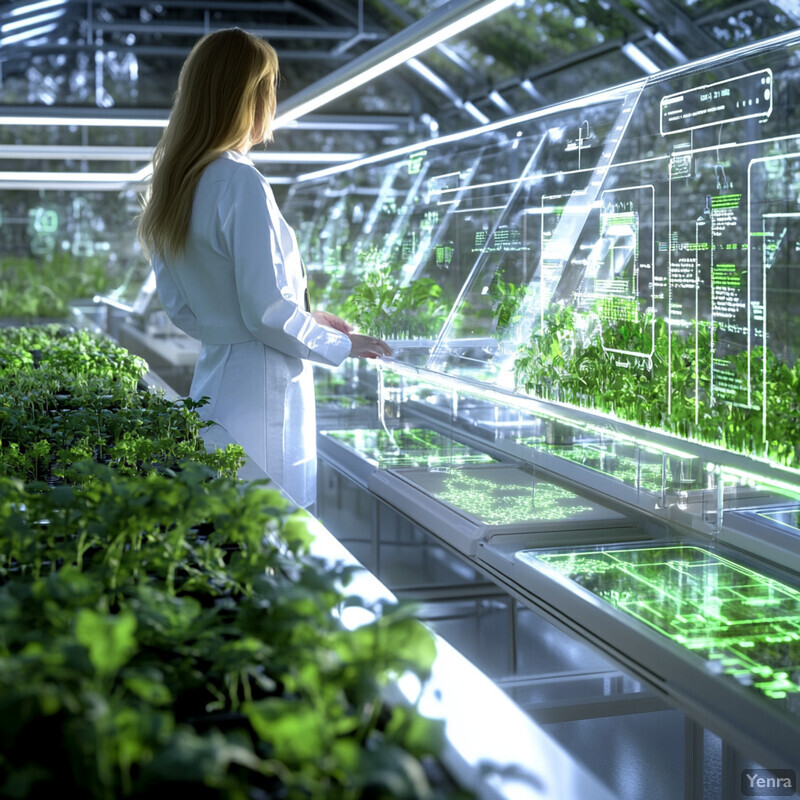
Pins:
x: 555, y: 548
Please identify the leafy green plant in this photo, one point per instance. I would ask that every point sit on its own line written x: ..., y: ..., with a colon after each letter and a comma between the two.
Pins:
x: 163, y: 626
x: 44, y: 287
x: 379, y: 306
x: 70, y: 395
x: 507, y: 299
x: 570, y: 359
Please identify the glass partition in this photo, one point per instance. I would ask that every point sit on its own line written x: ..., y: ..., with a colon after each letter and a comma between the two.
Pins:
x: 623, y: 263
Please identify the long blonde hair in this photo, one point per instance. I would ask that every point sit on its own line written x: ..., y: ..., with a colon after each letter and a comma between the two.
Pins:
x: 226, y: 98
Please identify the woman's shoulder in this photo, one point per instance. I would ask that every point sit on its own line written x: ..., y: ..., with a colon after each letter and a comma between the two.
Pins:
x: 235, y: 169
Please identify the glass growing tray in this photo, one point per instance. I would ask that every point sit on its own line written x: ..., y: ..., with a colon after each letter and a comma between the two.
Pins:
x: 407, y: 447
x: 503, y: 495
x: 741, y: 623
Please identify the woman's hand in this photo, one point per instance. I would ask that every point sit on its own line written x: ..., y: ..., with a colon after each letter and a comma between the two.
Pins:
x: 368, y: 346
x: 332, y: 321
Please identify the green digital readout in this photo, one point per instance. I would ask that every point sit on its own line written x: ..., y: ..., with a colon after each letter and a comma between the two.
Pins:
x: 408, y: 447
x: 509, y: 502
x: 745, y: 624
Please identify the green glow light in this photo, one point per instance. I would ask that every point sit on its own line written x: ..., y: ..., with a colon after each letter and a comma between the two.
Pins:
x: 511, y: 502
x: 723, y: 612
x: 609, y: 458
x: 408, y: 447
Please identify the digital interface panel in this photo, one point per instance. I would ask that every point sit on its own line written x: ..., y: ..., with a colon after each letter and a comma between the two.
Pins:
x: 743, y: 624
x: 407, y: 447
x: 632, y: 253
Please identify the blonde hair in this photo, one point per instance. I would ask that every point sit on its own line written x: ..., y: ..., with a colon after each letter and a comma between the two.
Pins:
x: 226, y: 98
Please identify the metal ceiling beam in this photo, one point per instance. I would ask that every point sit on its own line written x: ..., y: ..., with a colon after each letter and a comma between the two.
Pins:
x: 200, y: 29
x: 10, y: 54
x: 398, y: 46
x: 157, y: 117
x: 680, y: 27
x: 268, y: 7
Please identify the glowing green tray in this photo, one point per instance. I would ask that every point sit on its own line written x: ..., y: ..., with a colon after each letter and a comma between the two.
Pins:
x: 407, y: 447
x: 500, y: 495
x: 746, y: 624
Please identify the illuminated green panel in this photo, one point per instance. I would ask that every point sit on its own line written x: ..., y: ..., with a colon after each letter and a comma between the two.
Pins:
x: 408, y: 447
x: 503, y: 497
x: 744, y: 624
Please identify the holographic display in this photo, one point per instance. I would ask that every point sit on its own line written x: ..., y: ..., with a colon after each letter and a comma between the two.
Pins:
x: 741, y: 623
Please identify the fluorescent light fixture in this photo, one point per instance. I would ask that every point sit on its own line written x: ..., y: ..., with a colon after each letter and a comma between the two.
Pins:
x: 321, y: 123
x: 429, y: 75
x: 670, y: 47
x: 32, y: 8
x: 284, y: 157
x: 72, y: 177
x: 475, y: 112
x: 340, y: 87
x: 23, y: 36
x: 528, y: 87
x: 77, y: 120
x: 500, y: 102
x: 83, y: 152
x: 99, y: 181
x: 645, y: 63
x: 110, y: 153
x: 28, y: 21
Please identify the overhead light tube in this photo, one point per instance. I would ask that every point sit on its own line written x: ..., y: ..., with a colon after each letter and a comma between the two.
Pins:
x: 31, y: 8
x: 643, y: 61
x: 448, y: 20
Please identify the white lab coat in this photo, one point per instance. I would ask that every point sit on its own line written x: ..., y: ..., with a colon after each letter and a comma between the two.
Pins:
x: 239, y: 288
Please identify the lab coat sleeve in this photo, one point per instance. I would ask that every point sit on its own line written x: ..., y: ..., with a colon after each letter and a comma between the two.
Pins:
x: 269, y: 307
x: 173, y: 301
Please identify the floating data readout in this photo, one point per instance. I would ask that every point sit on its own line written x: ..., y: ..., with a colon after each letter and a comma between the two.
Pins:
x: 742, y: 623
x: 408, y: 447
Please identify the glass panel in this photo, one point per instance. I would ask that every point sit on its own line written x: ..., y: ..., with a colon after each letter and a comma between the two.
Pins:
x: 641, y: 266
x: 60, y: 248
x: 742, y: 623
x: 407, y: 447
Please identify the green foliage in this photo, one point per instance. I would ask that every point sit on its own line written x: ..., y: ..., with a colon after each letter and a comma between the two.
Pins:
x: 507, y: 299
x: 570, y: 359
x: 69, y: 395
x: 43, y: 288
x: 163, y: 627
x: 378, y: 306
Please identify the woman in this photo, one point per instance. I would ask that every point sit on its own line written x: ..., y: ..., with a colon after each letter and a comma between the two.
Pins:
x: 227, y: 265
